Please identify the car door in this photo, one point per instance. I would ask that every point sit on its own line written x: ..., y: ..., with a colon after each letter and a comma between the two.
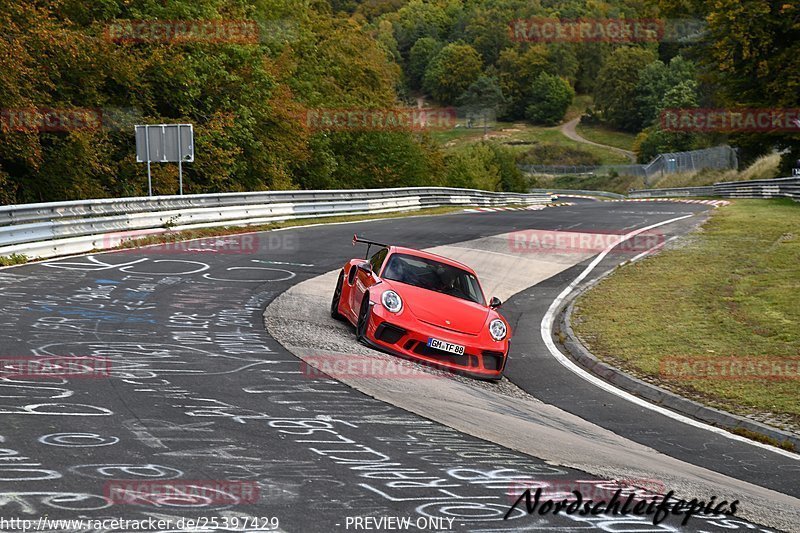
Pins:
x: 364, y: 279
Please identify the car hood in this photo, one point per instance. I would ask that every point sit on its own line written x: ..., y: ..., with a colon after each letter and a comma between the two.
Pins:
x: 439, y: 309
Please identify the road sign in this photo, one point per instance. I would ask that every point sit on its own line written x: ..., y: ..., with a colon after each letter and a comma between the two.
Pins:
x: 169, y: 143
x: 165, y: 143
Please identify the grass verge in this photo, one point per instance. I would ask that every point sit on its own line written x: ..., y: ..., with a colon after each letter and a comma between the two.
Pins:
x: 728, y: 290
x: 13, y: 259
x: 607, y: 136
x: 521, y: 136
x: 617, y: 184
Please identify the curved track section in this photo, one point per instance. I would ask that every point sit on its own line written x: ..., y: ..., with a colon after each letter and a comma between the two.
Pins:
x: 198, y: 390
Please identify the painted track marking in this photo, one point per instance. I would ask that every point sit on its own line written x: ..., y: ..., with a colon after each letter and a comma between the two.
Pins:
x: 547, y: 326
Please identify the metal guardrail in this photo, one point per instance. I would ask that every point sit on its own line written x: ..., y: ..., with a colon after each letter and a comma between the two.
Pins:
x: 772, y: 188
x: 677, y: 191
x: 582, y: 192
x: 583, y: 170
x: 62, y: 228
x: 775, y: 188
x: 560, y: 170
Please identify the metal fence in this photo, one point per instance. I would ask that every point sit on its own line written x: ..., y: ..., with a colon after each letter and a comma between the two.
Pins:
x: 583, y: 170
x: 560, y: 170
x: 718, y: 157
x: 774, y: 188
x: 62, y: 228
x: 673, y: 192
x: 573, y: 192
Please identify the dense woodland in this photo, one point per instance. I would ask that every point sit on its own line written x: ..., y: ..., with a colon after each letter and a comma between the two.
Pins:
x: 247, y: 100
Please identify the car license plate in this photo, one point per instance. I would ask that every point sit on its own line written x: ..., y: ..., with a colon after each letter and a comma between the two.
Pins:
x: 446, y: 346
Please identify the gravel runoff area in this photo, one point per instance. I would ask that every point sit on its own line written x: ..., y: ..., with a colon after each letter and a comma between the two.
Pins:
x: 502, y: 413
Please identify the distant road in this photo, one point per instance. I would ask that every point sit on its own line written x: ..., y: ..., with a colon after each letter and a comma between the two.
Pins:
x: 570, y: 131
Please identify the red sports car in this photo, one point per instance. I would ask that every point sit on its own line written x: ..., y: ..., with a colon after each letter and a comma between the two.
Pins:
x: 424, y: 307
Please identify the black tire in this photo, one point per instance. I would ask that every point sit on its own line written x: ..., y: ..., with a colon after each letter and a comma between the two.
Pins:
x: 363, y: 320
x: 337, y: 295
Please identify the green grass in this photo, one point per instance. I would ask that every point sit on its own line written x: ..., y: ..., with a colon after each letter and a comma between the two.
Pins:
x: 729, y: 290
x: 554, y: 136
x: 13, y: 259
x: 526, y: 135
x: 617, y: 184
x: 762, y: 168
x: 607, y: 136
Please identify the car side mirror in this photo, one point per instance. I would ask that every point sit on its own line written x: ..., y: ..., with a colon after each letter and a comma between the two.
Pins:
x: 495, y: 302
x: 366, y: 266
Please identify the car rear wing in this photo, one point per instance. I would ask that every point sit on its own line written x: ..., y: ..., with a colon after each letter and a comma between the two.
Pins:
x: 369, y: 244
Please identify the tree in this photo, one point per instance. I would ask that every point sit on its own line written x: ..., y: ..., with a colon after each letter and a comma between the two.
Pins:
x: 487, y: 30
x: 550, y: 98
x: 419, y: 19
x: 564, y: 61
x: 516, y: 72
x: 511, y: 177
x: 484, y: 165
x: 451, y: 71
x: 654, y: 140
x: 473, y: 167
x: 483, y: 99
x: 419, y: 57
x: 615, y: 90
x: 750, y: 56
x: 655, y: 80
x: 591, y: 58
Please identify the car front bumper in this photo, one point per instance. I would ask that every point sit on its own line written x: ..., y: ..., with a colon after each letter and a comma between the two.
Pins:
x: 407, y: 337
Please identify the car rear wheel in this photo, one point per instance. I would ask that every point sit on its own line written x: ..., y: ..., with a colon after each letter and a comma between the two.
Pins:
x: 337, y: 296
x: 363, y: 320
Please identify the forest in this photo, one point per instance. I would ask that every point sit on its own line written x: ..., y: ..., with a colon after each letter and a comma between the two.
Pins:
x: 77, y: 75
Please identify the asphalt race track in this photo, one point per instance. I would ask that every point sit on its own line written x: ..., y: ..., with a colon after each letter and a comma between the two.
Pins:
x: 199, y: 391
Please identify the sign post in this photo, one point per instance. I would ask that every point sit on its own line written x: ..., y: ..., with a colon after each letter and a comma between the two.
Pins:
x: 180, y: 165
x: 149, y: 177
x: 165, y: 143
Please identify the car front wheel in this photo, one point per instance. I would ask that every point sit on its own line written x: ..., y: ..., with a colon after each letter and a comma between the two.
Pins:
x: 363, y: 320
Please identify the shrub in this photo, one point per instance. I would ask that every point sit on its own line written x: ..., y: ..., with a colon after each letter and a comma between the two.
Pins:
x: 551, y: 96
x: 556, y: 154
x: 485, y: 166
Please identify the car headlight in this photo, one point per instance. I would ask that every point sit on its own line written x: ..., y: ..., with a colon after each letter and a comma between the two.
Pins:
x: 391, y: 301
x: 498, y: 329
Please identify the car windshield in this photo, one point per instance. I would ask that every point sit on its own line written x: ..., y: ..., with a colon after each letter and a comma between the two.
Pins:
x: 434, y: 276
